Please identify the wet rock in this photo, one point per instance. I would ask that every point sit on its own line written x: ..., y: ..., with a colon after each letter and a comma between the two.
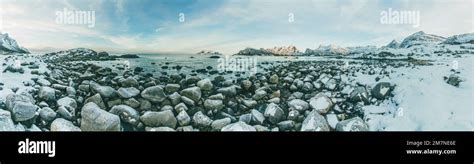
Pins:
x: 293, y: 115
x: 65, y: 112
x: 201, y: 120
x: 314, y: 122
x: 126, y: 113
x: 259, y: 94
x: 246, y: 118
x: 381, y: 90
x: 144, y: 104
x: 128, y: 92
x: 96, y: 99
x: 170, y: 88
x: 67, y: 101
x: 114, y: 102
x: 205, y: 84
x: 166, y: 107
x: 62, y: 125
x: 154, y: 94
x: 84, y: 88
x: 104, y: 91
x: 216, y: 97
x: 321, y: 103
x: 331, y: 84
x: 47, y: 114
x: 183, y: 118
x: 237, y: 127
x: 246, y: 84
x: 43, y: 82
x: 353, y: 124
x: 453, y: 80
x: 213, y: 105
x: 129, y: 82
x: 71, y: 91
x: 47, y: 94
x: 175, y: 98
x: 157, y: 119
x: 228, y: 91
x: 21, y: 106
x: 96, y: 119
x: 359, y: 94
x: 132, y: 102
x: 193, y: 93
x: 261, y: 128
x: 274, y: 113
x: 187, y: 101
x: 298, y: 105
x: 286, y: 125
x: 219, y: 124
x: 250, y: 103
x: 273, y: 79
x: 257, y: 117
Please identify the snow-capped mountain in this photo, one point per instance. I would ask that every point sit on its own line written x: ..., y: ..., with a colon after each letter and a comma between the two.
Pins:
x: 275, y: 51
x: 460, y: 39
x: 393, y: 44
x: 9, y: 45
x: 421, y: 38
x: 283, y: 51
x: 322, y: 50
x: 253, y: 52
x: 361, y: 49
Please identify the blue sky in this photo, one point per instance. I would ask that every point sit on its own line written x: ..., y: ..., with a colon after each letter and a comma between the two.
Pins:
x: 132, y: 26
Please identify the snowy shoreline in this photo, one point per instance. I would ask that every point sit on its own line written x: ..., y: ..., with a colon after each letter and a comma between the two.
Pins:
x: 61, y: 95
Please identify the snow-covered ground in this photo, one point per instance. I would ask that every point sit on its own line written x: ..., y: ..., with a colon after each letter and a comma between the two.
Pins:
x: 15, y: 80
x: 423, y: 101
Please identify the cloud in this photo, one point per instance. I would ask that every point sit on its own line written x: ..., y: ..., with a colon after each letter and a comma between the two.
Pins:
x: 226, y: 26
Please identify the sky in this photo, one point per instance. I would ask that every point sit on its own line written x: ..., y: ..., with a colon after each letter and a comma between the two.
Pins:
x: 227, y: 26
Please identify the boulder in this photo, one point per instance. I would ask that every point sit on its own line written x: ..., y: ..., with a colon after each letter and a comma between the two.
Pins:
x: 274, y: 113
x: 154, y: 94
x: 157, y: 119
x: 353, y: 124
x: 238, y: 127
x: 193, y: 93
x: 61, y: 124
x: 314, y: 122
x: 321, y: 103
x: 127, y: 114
x: 96, y: 119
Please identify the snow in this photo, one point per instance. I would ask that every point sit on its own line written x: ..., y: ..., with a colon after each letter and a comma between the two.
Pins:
x: 15, y: 80
x: 8, y: 43
x: 384, y: 90
x: 423, y: 101
x: 462, y: 38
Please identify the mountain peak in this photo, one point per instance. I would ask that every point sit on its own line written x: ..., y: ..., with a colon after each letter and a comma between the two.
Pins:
x: 393, y: 44
x: 421, y: 38
x: 9, y: 45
